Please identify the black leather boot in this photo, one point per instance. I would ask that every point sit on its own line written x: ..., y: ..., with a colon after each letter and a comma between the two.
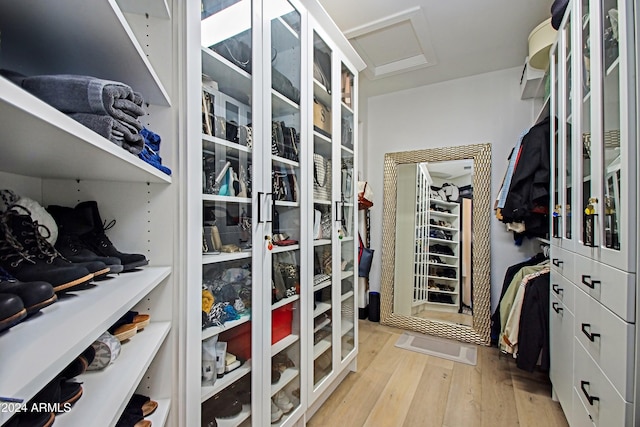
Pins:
x: 71, y: 225
x: 97, y: 240
x: 27, y: 255
x: 34, y: 295
x: 12, y: 311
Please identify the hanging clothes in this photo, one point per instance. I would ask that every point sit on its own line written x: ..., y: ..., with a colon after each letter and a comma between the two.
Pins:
x: 533, y: 337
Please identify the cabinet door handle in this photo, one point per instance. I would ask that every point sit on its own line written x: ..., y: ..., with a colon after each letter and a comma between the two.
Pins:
x: 557, y: 262
x: 556, y: 308
x: 260, y: 194
x: 591, y: 399
x: 337, y: 210
x: 588, y: 333
x: 586, y: 280
x: 557, y: 289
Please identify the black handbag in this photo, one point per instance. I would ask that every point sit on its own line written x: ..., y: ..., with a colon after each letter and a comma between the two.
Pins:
x: 282, y: 84
x: 365, y: 257
x: 235, y: 51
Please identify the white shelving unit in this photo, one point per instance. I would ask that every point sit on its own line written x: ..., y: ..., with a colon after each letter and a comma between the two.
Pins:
x: 59, y: 161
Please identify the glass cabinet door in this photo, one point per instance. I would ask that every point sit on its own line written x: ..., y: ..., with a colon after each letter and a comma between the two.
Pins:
x: 611, y: 164
x: 227, y: 169
x: 286, y: 231
x: 347, y: 232
x: 568, y: 122
x: 324, y: 211
x: 556, y: 159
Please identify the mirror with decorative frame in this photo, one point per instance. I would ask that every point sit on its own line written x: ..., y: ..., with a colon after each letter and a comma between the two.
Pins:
x: 435, y: 250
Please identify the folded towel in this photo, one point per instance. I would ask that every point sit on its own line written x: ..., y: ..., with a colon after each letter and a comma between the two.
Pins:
x: 111, y: 129
x: 85, y: 94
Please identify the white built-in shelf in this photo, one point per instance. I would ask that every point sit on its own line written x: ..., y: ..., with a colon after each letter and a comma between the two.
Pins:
x: 434, y: 239
x: 613, y: 67
x: 283, y: 343
x: 346, y: 296
x: 321, y: 242
x: 285, y: 301
x: 442, y: 255
x: 322, y: 145
x: 156, y: 8
x: 347, y: 150
x: 345, y: 327
x: 347, y: 239
x: 321, y: 325
x: 444, y: 203
x: 160, y: 416
x: 32, y: 358
x: 443, y: 228
x: 442, y: 214
x: 321, y: 307
x: 321, y: 202
x: 587, y: 97
x: 237, y: 420
x: 585, y: 21
x: 224, y: 257
x: 226, y: 199
x: 215, y: 330
x: 442, y: 278
x: 281, y: 105
x: 438, y: 291
x: 346, y: 274
x: 287, y: 28
x: 543, y: 240
x: 71, y: 150
x: 439, y: 264
x: 285, y: 378
x: 280, y: 249
x: 346, y: 109
x: 322, y: 285
x: 70, y: 38
x: 221, y: 383
x: 321, y: 347
x: 320, y: 92
x: 319, y: 137
x: 286, y: 204
x: 282, y: 160
x: 118, y: 379
x: 349, y: 205
x: 224, y: 143
x: 237, y: 81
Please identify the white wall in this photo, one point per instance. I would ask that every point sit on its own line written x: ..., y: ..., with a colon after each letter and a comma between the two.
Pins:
x: 478, y: 109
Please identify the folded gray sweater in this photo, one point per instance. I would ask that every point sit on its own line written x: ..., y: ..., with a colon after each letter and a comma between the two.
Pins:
x: 84, y: 94
x: 113, y: 130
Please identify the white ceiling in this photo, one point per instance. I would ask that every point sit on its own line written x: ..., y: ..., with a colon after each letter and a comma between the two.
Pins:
x: 411, y: 43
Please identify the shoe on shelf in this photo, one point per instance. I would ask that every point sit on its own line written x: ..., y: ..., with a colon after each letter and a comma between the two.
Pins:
x: 26, y: 254
x: 283, y: 402
x: 12, y: 311
x: 276, y: 413
x: 97, y: 240
x: 34, y: 295
x: 70, y: 227
x: 141, y: 405
x: 128, y: 419
x: 107, y: 349
x: 221, y: 405
x: 79, y: 365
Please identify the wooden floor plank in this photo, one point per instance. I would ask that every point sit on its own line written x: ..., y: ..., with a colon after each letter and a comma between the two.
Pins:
x: 397, y: 387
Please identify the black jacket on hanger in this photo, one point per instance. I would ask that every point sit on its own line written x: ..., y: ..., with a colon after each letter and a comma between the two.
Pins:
x: 533, y: 335
x: 528, y: 196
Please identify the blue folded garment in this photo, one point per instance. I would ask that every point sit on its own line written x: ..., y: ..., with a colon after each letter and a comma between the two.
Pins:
x: 150, y: 151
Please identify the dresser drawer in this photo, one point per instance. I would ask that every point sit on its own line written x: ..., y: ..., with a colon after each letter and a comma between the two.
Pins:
x: 562, y: 261
x: 608, y: 339
x: 580, y: 416
x: 563, y: 289
x: 614, y: 288
x: 561, y: 326
x: 605, y: 405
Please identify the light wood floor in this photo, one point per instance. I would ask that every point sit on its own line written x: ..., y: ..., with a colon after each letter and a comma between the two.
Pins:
x: 397, y: 387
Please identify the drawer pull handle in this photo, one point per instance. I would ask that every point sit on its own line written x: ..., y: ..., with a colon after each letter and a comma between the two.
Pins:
x: 557, y: 262
x: 557, y: 289
x: 588, y: 333
x: 591, y: 399
x: 556, y: 308
x: 586, y: 280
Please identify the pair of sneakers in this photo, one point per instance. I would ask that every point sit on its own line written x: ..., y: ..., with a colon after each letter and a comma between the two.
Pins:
x: 280, y: 405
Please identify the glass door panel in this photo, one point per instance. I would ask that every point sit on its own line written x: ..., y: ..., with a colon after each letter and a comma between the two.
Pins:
x: 227, y: 168
x: 556, y: 224
x: 611, y: 162
x: 323, y: 212
x: 568, y: 160
x: 585, y: 193
x: 348, y: 233
x: 286, y: 152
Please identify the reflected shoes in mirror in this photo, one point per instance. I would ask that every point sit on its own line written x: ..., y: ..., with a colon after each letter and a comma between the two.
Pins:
x: 276, y: 413
x: 441, y: 249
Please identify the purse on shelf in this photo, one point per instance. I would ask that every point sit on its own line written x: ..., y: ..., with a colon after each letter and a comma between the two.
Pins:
x: 347, y: 180
x: 321, y: 178
x: 365, y: 257
x: 283, y: 85
x: 322, y: 68
x: 321, y: 118
x: 235, y: 51
x: 211, y: 241
x: 219, y: 127
x: 317, y: 219
x: 347, y: 133
x: 325, y: 224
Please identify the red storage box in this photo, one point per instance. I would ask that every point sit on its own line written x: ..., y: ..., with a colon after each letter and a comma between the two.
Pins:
x: 238, y: 341
x: 281, y: 321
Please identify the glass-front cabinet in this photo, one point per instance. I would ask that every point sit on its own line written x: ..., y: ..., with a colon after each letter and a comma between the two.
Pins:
x: 608, y: 132
x: 278, y: 218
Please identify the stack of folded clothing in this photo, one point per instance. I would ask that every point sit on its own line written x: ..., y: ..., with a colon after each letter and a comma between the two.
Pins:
x: 109, y: 108
x: 151, y: 149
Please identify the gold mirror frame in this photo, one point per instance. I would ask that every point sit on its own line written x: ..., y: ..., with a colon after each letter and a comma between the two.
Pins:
x: 481, y: 155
